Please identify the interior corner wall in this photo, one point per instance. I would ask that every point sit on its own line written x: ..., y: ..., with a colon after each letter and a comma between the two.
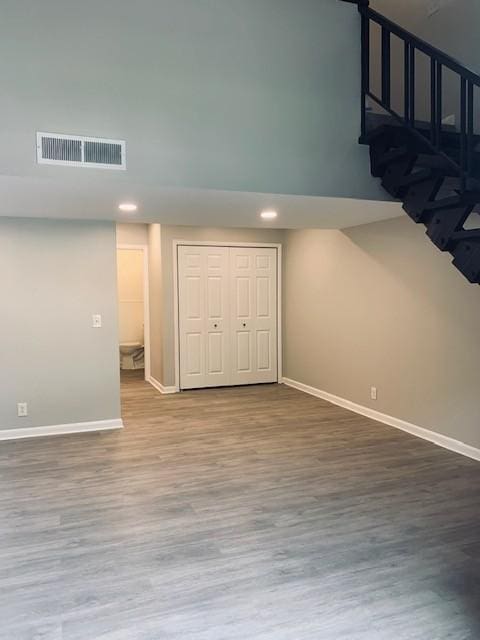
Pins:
x: 203, y: 234
x: 379, y: 305
x: 155, y: 301
x: 54, y: 277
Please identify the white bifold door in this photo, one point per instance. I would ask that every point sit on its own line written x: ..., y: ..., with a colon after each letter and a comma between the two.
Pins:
x: 227, y: 315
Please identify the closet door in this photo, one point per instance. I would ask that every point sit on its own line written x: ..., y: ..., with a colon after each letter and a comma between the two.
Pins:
x: 203, y: 317
x: 253, y: 315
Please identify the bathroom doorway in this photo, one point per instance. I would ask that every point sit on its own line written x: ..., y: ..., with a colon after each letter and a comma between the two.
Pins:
x: 133, y: 308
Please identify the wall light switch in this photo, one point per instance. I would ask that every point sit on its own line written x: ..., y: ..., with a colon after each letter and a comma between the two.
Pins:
x: 373, y: 393
x: 22, y: 409
x: 96, y: 321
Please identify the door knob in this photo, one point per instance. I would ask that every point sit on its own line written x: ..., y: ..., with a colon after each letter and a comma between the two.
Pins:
x: 215, y: 326
x: 244, y: 324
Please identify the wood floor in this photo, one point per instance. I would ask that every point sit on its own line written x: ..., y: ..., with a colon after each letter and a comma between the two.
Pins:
x: 255, y: 513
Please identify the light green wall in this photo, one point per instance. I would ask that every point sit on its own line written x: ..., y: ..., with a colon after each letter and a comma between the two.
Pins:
x: 248, y: 95
x: 54, y: 277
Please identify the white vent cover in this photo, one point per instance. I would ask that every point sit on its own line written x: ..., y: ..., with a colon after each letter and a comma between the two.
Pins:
x: 80, y: 151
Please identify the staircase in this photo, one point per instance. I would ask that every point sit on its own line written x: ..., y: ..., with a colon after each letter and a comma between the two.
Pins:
x: 433, y: 168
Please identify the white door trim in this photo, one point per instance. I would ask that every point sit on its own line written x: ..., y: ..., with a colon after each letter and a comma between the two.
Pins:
x: 146, y: 301
x: 198, y: 243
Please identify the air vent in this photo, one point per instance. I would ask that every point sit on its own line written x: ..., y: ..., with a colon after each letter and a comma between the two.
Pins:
x: 80, y: 151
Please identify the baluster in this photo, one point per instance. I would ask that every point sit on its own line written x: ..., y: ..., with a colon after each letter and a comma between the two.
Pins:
x: 470, y: 129
x: 463, y: 132
x: 406, y: 81
x: 411, y: 91
x: 365, y: 69
x: 433, y: 101
x: 438, y: 107
x: 386, y: 56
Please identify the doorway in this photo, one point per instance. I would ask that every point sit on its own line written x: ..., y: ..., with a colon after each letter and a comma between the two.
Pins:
x: 228, y: 323
x: 133, y: 305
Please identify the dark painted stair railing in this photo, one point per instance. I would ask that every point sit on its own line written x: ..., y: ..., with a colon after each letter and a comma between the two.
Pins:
x: 432, y: 167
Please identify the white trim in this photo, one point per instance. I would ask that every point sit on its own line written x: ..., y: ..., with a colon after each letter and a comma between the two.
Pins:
x: 437, y: 438
x: 146, y: 301
x: 159, y: 387
x: 225, y: 243
x: 279, y: 314
x: 176, y: 317
x: 61, y: 429
x: 204, y: 243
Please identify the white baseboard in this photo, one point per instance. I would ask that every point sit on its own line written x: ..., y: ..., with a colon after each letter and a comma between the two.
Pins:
x: 437, y: 438
x: 159, y: 387
x: 60, y: 429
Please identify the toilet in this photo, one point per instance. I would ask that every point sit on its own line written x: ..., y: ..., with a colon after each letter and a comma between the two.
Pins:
x: 131, y: 355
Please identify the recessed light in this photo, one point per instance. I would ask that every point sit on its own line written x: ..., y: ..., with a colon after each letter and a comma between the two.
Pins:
x: 128, y: 207
x: 269, y: 215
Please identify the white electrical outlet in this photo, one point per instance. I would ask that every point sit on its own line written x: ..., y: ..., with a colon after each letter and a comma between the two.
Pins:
x: 373, y: 393
x: 22, y: 409
x: 97, y: 321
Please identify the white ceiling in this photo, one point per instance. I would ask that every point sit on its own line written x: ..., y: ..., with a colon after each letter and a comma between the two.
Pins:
x: 94, y: 200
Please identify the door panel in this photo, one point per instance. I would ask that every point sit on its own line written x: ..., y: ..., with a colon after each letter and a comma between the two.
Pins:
x: 263, y: 297
x: 242, y: 261
x: 243, y: 287
x: 194, y: 354
x: 262, y: 261
x: 215, y: 299
x: 194, y: 297
x: 203, y: 317
x: 263, y: 350
x: 253, y: 315
x: 244, y: 352
x: 215, y: 354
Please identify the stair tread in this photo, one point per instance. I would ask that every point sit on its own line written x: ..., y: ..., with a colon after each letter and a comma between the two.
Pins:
x: 465, y: 199
x: 466, y: 234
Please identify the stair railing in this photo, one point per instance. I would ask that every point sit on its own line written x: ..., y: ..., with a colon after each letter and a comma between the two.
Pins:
x: 468, y: 80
